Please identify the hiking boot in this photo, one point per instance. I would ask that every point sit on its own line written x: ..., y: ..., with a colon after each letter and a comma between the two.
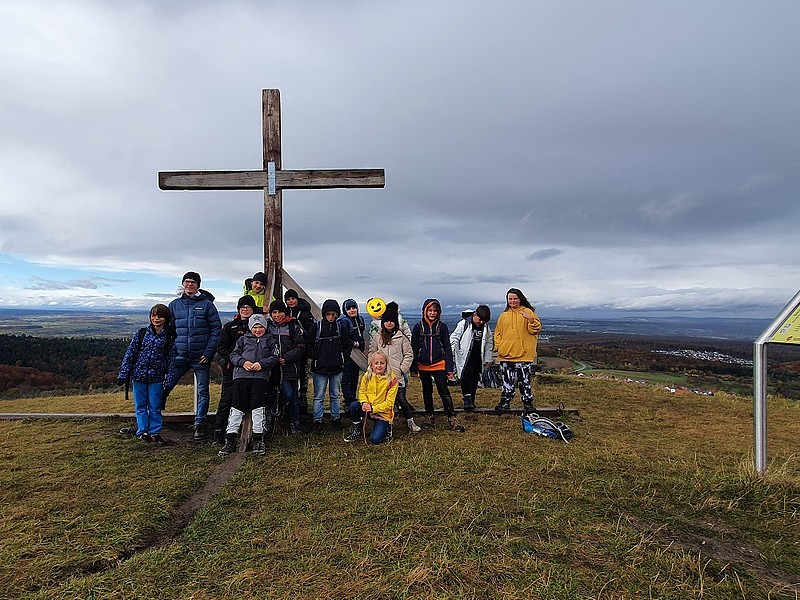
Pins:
x: 455, y: 425
x: 257, y: 447
x: 128, y: 430
x: 200, y: 433
x: 469, y: 403
x: 336, y: 424
x: 389, y: 434
x: 413, y: 427
x: 354, y: 435
x: 294, y: 428
x: 426, y: 422
x: 317, y: 427
x: 231, y: 445
x: 219, y: 436
x: 503, y: 406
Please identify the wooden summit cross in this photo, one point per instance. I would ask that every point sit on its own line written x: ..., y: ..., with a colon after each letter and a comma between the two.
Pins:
x: 272, y: 179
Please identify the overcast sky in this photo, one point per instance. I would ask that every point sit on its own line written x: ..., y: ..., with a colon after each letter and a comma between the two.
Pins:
x: 600, y: 156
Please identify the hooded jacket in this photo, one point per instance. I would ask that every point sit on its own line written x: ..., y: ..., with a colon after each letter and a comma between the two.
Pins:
x: 263, y: 350
x: 302, y: 312
x: 430, y: 341
x: 329, y: 344
x: 461, y: 342
x: 357, y: 325
x: 381, y: 393
x: 197, y: 325
x: 291, y: 347
x: 515, y: 337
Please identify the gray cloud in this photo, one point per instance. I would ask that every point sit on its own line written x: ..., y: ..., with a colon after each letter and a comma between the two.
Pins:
x: 587, y: 153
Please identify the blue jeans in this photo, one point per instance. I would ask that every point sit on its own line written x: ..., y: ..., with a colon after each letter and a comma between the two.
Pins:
x: 289, y: 396
x: 350, y: 381
x: 147, y: 403
x: 379, y: 427
x: 321, y: 383
x: 201, y: 372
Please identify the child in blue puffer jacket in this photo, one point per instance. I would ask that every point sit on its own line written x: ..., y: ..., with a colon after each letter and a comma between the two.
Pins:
x: 148, y: 363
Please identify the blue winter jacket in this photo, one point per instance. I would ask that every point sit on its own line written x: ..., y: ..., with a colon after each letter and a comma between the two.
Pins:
x: 153, y: 362
x: 198, y: 326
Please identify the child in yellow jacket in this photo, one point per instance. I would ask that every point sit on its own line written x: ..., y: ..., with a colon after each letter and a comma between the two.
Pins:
x: 376, y: 395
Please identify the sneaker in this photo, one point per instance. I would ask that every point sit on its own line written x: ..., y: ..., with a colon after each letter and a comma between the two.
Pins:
x: 317, y: 427
x: 128, y: 430
x: 469, y: 403
x: 199, y: 433
x: 528, y: 408
x: 258, y: 447
x: 502, y: 407
x: 230, y: 447
x: 427, y: 422
x: 389, y: 435
x: 455, y: 425
x: 294, y: 428
x: 143, y: 437
x: 157, y: 439
x: 336, y: 424
x: 413, y: 427
x: 354, y: 435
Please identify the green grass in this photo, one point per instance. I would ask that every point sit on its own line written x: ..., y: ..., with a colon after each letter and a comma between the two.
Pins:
x: 655, y: 497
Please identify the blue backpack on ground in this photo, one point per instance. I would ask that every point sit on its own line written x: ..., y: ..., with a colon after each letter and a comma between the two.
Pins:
x: 544, y: 427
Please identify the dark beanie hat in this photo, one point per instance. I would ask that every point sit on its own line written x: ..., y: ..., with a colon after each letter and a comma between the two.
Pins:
x: 290, y: 293
x: 277, y: 305
x: 260, y: 277
x: 246, y: 301
x: 193, y: 276
x: 390, y: 314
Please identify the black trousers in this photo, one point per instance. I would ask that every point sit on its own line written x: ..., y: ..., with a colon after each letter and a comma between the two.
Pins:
x: 427, y: 379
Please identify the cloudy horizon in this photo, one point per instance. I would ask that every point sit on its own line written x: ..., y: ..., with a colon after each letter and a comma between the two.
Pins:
x: 616, y: 157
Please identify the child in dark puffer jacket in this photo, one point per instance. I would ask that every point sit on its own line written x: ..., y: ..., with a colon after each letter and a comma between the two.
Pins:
x: 433, y: 360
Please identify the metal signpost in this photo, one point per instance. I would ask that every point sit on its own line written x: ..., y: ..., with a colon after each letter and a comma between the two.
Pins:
x: 785, y: 329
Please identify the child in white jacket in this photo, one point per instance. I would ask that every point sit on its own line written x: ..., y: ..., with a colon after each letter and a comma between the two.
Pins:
x: 473, y: 346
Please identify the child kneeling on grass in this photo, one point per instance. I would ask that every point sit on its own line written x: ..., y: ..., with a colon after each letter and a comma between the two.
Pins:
x: 253, y: 357
x: 376, y: 395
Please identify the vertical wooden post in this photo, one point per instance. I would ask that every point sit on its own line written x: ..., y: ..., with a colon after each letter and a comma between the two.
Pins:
x: 273, y: 203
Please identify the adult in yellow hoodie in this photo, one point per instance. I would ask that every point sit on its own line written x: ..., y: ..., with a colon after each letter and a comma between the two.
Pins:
x: 515, y: 338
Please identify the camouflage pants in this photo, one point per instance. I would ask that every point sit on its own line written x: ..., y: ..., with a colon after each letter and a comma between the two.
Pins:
x: 521, y: 372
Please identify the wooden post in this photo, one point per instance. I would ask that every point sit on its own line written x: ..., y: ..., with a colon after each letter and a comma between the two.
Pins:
x: 273, y: 202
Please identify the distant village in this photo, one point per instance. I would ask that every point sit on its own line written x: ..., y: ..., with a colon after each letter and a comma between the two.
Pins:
x: 707, y: 355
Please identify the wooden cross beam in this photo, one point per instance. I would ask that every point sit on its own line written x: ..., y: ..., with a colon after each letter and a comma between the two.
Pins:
x: 272, y: 179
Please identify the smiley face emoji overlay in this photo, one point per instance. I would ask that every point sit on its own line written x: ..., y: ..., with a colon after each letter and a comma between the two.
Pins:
x: 376, y: 307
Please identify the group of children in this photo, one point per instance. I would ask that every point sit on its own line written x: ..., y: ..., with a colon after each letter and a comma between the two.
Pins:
x: 264, y: 354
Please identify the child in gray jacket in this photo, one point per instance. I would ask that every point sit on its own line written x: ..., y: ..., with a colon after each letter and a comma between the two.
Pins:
x: 253, y: 358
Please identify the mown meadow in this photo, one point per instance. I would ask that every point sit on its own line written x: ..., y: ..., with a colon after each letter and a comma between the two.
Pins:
x: 656, y: 497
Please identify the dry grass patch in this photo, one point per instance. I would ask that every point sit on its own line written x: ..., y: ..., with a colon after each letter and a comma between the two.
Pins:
x: 654, y: 498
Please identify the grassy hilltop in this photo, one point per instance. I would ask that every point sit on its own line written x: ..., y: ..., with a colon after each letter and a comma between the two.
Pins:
x: 654, y: 498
